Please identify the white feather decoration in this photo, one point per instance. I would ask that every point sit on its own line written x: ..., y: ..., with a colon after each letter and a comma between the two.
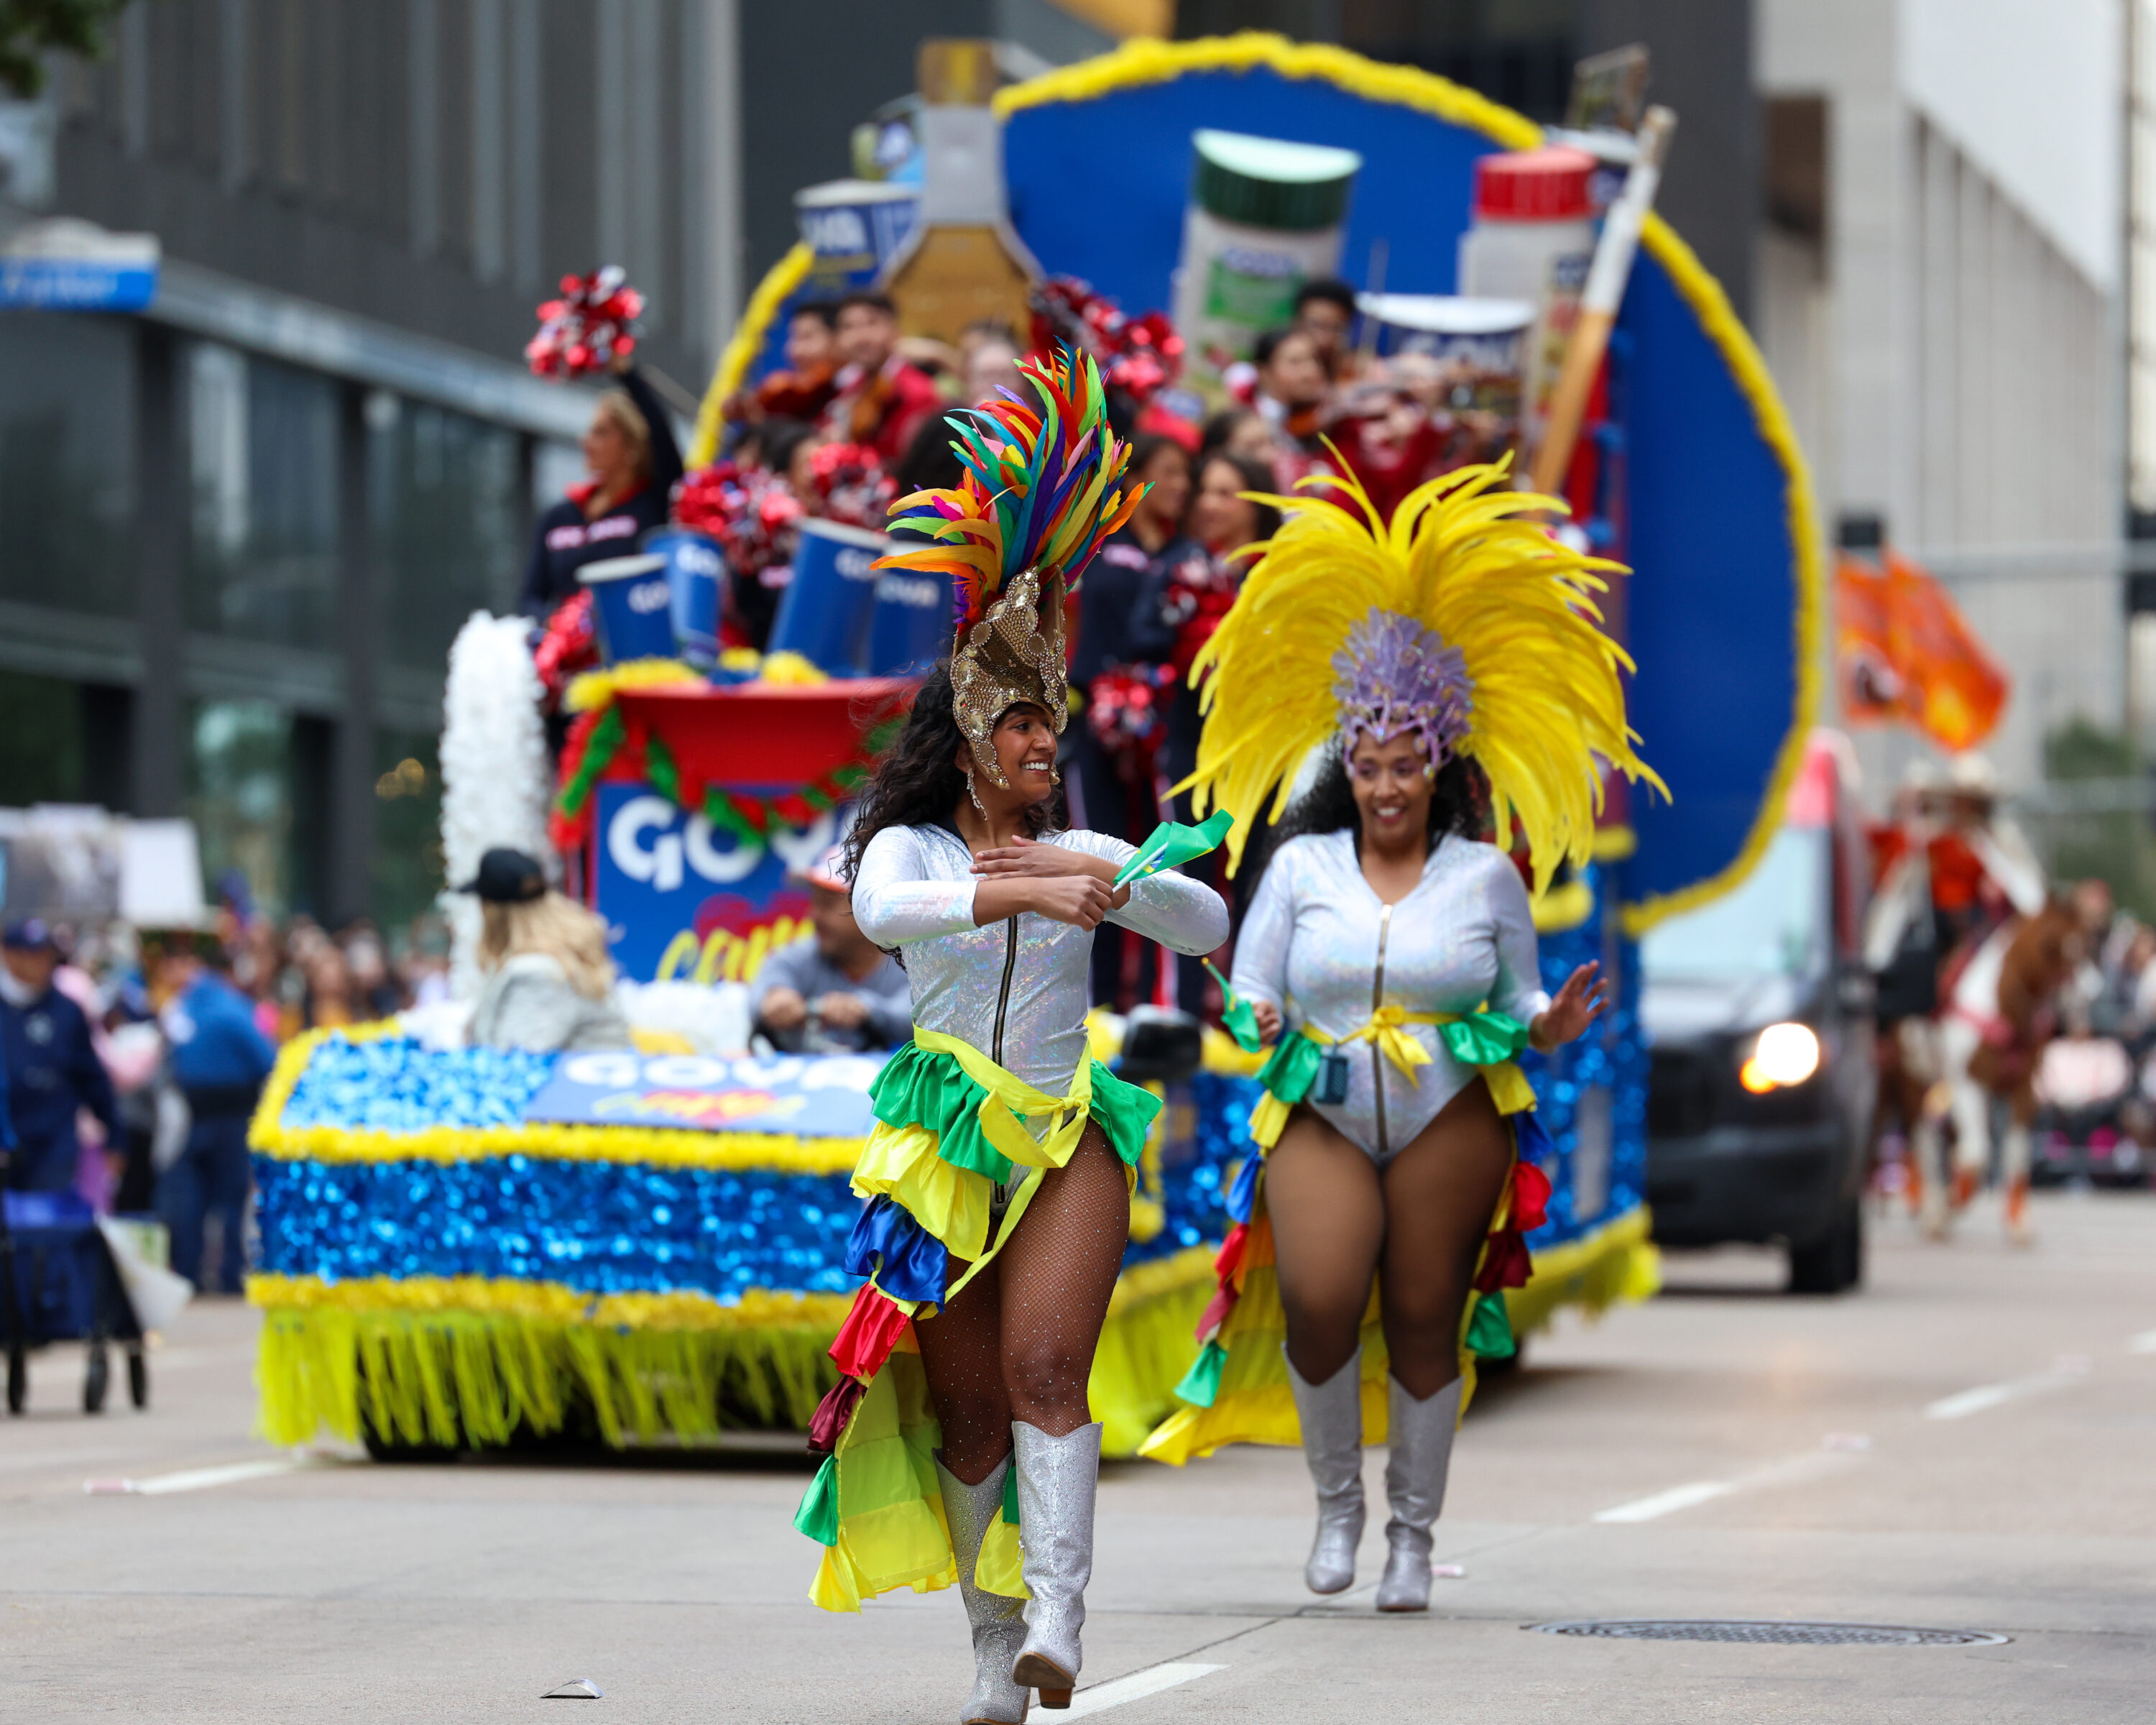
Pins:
x: 495, y: 776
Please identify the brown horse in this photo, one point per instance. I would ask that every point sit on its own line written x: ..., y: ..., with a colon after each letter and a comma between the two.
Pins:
x: 1998, y: 1011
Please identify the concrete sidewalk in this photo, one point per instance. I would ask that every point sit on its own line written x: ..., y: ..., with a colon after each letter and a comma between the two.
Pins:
x: 1725, y: 1451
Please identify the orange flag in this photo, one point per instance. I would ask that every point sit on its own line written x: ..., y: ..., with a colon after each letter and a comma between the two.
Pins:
x: 1906, y: 653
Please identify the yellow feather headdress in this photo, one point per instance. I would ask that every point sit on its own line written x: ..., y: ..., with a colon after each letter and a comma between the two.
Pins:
x: 1527, y: 681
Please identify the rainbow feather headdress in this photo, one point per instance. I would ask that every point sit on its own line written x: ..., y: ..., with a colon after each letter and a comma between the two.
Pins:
x: 1043, y: 486
x: 1457, y: 621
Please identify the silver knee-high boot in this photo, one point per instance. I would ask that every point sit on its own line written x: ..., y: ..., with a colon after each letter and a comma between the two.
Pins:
x: 1057, y: 1479
x: 1414, y: 1482
x: 998, y: 1623
x: 1330, y: 1414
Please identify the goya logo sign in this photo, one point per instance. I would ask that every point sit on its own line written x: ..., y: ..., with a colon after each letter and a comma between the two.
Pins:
x: 660, y: 870
x: 814, y: 1096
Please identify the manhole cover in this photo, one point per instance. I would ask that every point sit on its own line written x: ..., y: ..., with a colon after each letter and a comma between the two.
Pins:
x: 1798, y: 1635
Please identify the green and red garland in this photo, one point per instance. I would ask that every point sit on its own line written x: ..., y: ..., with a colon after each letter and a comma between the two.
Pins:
x: 603, y: 738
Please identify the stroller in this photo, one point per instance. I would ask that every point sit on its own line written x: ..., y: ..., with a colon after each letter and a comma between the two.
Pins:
x: 61, y: 1280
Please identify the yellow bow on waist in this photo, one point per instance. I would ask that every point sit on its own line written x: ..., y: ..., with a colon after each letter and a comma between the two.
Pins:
x: 1387, y: 1031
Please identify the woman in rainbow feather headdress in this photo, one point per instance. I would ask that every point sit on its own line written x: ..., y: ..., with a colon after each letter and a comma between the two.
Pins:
x: 1447, y: 673
x: 997, y: 1181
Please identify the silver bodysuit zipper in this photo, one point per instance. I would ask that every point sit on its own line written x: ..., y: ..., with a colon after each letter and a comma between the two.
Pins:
x: 1000, y: 1195
x: 1376, y: 1053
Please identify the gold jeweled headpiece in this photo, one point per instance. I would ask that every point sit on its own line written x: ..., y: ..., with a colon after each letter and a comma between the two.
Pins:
x: 1041, y: 489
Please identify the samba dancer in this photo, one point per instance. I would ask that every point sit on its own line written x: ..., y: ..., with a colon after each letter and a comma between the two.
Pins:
x: 998, y: 1180
x: 1449, y: 666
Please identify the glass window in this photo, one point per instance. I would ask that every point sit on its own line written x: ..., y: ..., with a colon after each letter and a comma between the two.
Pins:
x: 1771, y: 925
x: 447, y: 524
x: 239, y: 793
x: 408, y: 827
x: 262, y: 443
x: 67, y: 461
x: 41, y: 742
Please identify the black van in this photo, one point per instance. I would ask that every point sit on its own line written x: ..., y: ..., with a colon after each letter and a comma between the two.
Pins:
x: 1758, y: 1013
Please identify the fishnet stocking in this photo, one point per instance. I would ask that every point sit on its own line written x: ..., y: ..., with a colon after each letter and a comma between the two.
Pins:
x: 1338, y: 1223
x: 1017, y: 1343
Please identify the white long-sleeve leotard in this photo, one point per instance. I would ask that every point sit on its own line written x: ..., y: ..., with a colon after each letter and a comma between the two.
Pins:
x: 1014, y: 989
x: 1320, y: 945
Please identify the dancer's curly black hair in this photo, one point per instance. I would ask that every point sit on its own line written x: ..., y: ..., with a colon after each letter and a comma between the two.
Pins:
x: 1459, y: 802
x: 918, y: 782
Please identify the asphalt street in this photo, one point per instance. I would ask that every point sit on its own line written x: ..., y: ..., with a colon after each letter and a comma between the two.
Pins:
x: 1969, y: 1444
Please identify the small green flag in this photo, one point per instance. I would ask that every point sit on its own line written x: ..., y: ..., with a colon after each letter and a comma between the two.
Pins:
x: 1201, y: 1384
x: 819, y: 1514
x: 1490, y: 1331
x: 1010, y: 1493
x: 1237, y: 1013
x: 1172, y: 843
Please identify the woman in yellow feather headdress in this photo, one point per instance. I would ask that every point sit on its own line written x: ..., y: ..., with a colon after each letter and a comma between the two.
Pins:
x: 1449, y: 671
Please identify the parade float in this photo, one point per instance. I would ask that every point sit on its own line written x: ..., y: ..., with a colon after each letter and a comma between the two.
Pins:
x: 461, y: 1246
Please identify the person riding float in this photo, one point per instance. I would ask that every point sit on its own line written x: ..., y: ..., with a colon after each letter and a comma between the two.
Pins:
x: 1447, y: 670
x: 997, y: 1181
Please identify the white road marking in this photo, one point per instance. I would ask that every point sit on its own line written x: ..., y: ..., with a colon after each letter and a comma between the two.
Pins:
x: 2145, y: 1342
x: 2065, y: 1370
x: 1135, y: 1687
x: 1663, y: 1503
x: 1804, y: 1464
x: 201, y: 1479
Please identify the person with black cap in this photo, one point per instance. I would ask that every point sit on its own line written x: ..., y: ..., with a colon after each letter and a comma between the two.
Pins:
x: 834, y: 990
x: 549, y: 982
x: 53, y: 1069
x: 220, y: 1060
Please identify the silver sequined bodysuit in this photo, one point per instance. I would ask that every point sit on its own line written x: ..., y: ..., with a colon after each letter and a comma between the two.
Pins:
x: 1319, y: 945
x: 1015, y: 990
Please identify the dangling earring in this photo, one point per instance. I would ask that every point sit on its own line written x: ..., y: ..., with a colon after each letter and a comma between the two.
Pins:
x: 975, y: 796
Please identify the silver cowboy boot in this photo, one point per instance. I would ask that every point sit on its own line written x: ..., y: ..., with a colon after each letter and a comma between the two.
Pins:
x: 998, y: 1622
x: 1057, y: 1477
x: 1330, y: 1414
x: 1414, y: 1481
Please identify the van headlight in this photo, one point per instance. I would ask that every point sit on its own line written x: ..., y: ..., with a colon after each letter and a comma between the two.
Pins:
x: 1782, y: 1055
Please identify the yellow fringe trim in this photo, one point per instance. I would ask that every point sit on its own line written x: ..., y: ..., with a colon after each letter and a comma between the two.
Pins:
x: 589, y: 691
x: 467, y: 1362
x: 1138, y: 63
x: 780, y: 280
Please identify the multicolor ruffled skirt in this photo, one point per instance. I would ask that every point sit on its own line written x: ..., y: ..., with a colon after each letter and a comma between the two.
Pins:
x: 952, y: 1128
x: 1237, y: 1390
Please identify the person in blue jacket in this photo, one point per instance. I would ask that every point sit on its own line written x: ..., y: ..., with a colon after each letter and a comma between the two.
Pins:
x: 53, y: 1069
x: 219, y: 1060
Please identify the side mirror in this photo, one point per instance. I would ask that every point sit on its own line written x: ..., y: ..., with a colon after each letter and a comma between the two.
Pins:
x: 1855, y: 991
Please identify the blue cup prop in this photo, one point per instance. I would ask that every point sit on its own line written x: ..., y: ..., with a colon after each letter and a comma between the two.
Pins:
x: 855, y: 228
x: 911, y: 627
x: 824, y: 616
x: 633, y: 606
x: 695, y: 574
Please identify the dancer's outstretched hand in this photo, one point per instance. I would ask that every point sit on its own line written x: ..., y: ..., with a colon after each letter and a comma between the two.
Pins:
x: 1269, y: 1021
x: 1578, y: 1004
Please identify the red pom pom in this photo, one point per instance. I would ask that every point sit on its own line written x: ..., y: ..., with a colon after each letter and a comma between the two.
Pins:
x: 587, y: 327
